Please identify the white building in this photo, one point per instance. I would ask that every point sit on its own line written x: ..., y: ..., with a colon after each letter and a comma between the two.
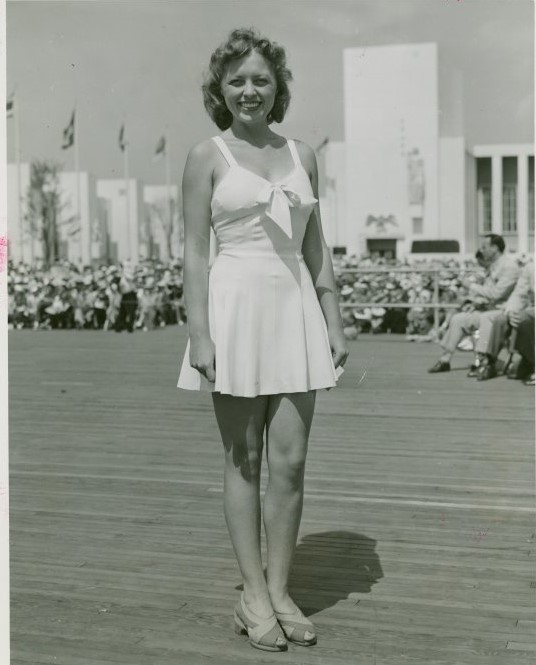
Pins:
x: 391, y: 145
x: 163, y: 222
x: 77, y: 218
x: 501, y: 195
x: 126, y: 239
x: 19, y: 237
x: 395, y: 180
x: 74, y: 223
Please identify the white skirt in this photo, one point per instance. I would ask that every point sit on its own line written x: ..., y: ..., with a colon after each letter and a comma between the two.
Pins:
x: 268, y: 329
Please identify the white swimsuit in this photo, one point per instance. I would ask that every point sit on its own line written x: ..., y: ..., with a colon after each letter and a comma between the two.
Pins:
x: 265, y: 320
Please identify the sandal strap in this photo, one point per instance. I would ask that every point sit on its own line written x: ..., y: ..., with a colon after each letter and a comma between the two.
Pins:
x: 295, y: 624
x: 262, y: 630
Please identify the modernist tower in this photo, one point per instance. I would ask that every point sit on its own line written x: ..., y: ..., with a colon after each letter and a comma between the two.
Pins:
x: 391, y: 136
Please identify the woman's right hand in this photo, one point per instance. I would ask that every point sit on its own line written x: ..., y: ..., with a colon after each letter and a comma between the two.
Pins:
x: 203, y: 358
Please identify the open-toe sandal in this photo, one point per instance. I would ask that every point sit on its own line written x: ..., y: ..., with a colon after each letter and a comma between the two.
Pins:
x: 297, y: 628
x: 265, y: 634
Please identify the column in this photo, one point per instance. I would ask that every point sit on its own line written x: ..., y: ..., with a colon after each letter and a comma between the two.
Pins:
x: 496, y: 194
x: 522, y: 204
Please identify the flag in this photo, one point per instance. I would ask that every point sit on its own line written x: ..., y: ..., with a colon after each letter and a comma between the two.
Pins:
x: 322, y: 145
x: 160, y: 148
x: 68, y: 134
x: 122, y: 138
x: 10, y: 106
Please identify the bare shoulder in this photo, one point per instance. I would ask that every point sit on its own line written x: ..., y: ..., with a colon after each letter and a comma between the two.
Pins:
x: 201, y: 162
x: 202, y: 152
x: 307, y: 156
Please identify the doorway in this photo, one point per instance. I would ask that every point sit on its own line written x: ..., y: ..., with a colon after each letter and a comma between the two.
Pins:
x: 384, y: 248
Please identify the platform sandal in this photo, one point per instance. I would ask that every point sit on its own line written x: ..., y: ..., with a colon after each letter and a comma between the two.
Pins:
x: 297, y: 628
x: 265, y: 634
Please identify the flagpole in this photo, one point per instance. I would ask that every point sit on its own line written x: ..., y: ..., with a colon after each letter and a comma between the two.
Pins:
x: 77, y: 172
x: 127, y: 194
x: 19, y: 192
x: 168, y: 194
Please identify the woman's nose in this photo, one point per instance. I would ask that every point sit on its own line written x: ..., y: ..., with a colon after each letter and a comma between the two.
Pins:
x: 249, y: 88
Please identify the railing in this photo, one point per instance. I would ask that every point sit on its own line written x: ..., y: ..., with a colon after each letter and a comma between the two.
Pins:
x: 434, y: 304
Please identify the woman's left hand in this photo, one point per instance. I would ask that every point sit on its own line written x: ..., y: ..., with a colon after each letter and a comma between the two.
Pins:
x: 339, y: 348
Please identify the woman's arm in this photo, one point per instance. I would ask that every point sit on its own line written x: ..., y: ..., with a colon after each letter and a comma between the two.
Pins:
x: 196, y: 197
x: 318, y: 259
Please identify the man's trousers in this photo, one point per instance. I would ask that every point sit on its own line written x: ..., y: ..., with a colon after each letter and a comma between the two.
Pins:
x: 467, y: 323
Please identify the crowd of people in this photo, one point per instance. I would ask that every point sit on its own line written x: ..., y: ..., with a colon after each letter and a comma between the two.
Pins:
x: 410, y: 283
x: 141, y: 297
x: 65, y: 296
x: 149, y: 295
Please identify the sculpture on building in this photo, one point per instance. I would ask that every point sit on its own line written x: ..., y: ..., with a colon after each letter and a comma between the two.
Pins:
x: 381, y: 222
x: 416, y: 180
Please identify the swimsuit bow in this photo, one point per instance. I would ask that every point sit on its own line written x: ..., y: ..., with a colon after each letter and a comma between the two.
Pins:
x: 280, y: 200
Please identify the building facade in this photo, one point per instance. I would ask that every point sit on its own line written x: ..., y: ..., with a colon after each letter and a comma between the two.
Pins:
x: 123, y: 208
x: 391, y: 146
x: 163, y: 222
x: 403, y: 177
x: 501, y: 196
x: 395, y: 182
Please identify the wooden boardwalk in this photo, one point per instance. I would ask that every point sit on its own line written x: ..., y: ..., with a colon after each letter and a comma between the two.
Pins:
x: 418, y: 537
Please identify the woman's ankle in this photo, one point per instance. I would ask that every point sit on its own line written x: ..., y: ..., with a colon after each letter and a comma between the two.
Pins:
x: 254, y: 595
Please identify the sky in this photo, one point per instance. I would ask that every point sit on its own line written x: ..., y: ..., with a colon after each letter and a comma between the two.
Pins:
x: 142, y: 61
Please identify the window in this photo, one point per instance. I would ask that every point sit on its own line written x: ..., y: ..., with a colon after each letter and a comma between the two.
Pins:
x: 435, y: 246
x: 417, y: 225
x: 509, y: 208
x: 339, y: 250
x: 484, y: 208
x: 483, y: 193
x: 509, y: 194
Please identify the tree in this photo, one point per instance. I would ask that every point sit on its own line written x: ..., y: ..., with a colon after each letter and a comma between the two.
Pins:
x: 44, y: 208
x: 166, y: 213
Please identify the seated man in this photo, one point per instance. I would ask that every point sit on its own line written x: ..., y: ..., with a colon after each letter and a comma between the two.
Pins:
x: 516, y: 312
x: 491, y: 296
x: 525, y: 347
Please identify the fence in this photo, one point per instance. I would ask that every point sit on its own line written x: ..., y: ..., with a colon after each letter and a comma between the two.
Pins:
x: 434, y: 304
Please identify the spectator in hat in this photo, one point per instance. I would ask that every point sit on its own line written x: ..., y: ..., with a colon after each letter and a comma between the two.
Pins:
x: 100, y: 306
x: 129, y: 300
x: 147, y: 300
x: 114, y: 304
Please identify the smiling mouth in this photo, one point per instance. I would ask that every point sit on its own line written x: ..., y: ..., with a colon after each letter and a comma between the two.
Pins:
x: 249, y: 106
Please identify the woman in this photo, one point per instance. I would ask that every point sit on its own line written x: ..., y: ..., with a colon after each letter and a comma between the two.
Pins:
x: 258, y: 338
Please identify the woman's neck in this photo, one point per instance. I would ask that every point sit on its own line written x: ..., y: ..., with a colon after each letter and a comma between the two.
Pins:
x: 258, y: 135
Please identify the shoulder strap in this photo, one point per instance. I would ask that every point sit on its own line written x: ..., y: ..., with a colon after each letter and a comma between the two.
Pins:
x: 224, y: 150
x: 294, y: 152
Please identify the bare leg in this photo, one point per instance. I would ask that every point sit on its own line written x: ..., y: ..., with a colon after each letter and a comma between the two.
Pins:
x: 287, y: 432
x: 241, y: 421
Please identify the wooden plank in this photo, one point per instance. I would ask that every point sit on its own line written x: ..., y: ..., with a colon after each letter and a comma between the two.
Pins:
x: 418, y: 536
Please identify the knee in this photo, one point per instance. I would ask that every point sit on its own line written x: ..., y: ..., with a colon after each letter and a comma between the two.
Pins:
x: 287, y: 468
x: 458, y: 321
x: 244, y: 459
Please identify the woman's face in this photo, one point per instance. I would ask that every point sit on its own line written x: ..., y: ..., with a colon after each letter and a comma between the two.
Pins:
x: 249, y: 88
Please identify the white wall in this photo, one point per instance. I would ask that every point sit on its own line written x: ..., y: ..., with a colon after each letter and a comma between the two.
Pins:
x: 19, y: 239
x: 452, y: 183
x: 123, y: 231
x: 159, y: 194
x: 79, y: 243
x: 335, y: 206
x: 391, y: 108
